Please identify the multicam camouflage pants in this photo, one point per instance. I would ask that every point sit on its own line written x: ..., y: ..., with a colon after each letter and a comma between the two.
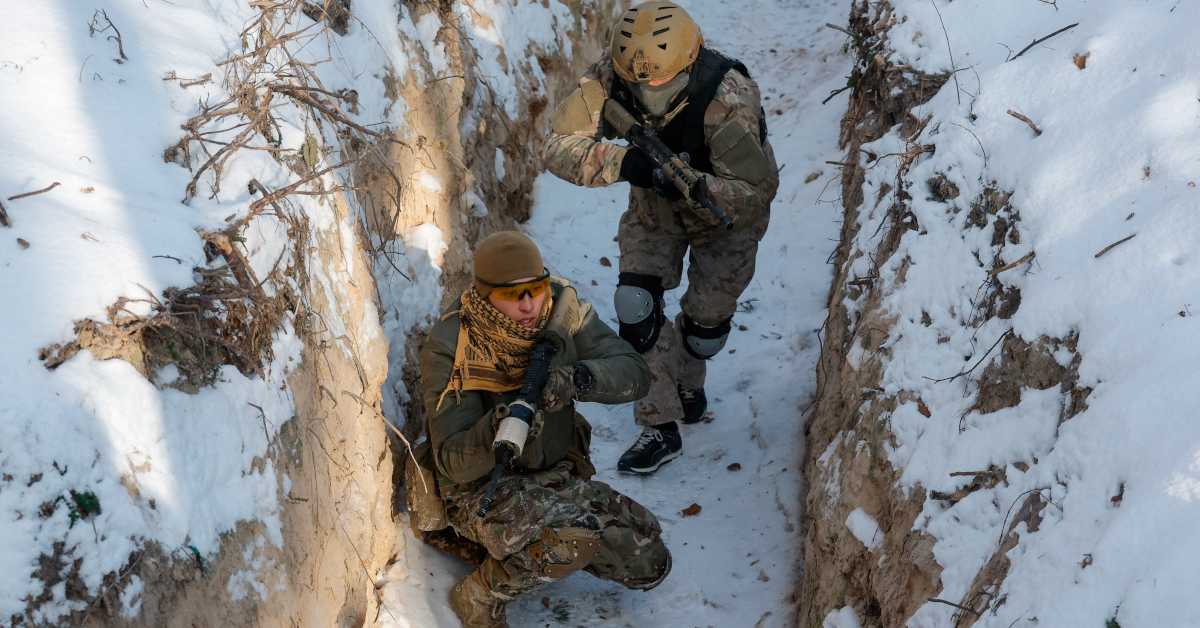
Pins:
x: 654, y: 236
x: 534, y: 516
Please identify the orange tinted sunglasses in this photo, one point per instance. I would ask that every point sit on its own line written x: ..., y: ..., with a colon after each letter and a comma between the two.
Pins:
x: 517, y: 291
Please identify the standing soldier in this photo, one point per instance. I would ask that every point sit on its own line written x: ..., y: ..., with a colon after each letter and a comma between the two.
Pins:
x: 705, y: 108
x: 547, y: 519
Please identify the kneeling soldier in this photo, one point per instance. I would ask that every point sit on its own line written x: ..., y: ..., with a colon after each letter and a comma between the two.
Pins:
x: 547, y: 519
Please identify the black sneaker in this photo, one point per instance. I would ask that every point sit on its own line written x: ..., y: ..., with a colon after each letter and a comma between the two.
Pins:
x: 694, y: 404
x: 654, y: 448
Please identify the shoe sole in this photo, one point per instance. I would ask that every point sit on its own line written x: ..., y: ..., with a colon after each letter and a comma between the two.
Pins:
x: 649, y: 470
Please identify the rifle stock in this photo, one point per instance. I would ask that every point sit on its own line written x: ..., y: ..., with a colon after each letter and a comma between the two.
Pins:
x: 689, y: 183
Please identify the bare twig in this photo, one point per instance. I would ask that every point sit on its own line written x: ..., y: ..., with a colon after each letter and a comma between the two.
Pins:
x: 953, y: 66
x: 82, y: 66
x: 1024, y: 118
x: 838, y: 28
x: 1114, y: 245
x: 170, y: 257
x: 403, y: 438
x: 1011, y: 265
x: 213, y: 162
x: 1038, y: 41
x: 95, y: 27
x: 301, y: 95
x: 200, y: 81
x: 958, y: 606
x: 977, y: 141
x: 835, y: 93
x: 292, y: 187
x: 35, y: 192
x: 1004, y: 524
x: 974, y: 366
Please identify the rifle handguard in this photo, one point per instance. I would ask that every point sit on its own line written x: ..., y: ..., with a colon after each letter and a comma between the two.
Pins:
x: 689, y: 183
x: 514, y: 427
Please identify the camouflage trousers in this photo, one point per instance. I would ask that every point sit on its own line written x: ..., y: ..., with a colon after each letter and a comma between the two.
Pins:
x: 545, y: 525
x: 654, y: 237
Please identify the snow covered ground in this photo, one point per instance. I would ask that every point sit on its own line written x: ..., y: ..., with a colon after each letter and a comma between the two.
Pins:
x: 91, y: 99
x: 736, y: 561
x: 1117, y: 103
x: 78, y: 116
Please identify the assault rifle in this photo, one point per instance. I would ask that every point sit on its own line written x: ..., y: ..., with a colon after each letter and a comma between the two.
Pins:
x: 516, y: 418
x: 673, y: 167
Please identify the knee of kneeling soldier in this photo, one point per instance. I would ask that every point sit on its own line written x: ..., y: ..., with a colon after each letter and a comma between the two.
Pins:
x: 639, y: 306
x: 701, y: 341
x: 562, y: 551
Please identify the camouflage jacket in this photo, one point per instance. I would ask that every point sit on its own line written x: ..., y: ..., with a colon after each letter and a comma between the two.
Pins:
x: 461, y: 431
x: 575, y: 150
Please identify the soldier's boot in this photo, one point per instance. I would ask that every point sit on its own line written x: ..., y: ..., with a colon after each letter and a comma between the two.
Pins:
x: 694, y: 403
x: 656, y: 446
x: 476, y: 605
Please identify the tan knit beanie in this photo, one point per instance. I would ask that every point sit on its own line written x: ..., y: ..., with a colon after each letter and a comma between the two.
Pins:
x: 503, y: 257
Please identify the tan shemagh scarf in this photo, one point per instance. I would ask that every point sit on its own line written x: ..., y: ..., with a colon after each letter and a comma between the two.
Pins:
x: 493, y: 350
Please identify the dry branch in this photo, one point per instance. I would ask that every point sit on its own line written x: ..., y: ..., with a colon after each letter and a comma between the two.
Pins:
x: 1038, y: 41
x: 958, y: 606
x: 1024, y: 118
x: 95, y: 27
x: 1114, y: 245
x: 35, y: 192
x: 953, y: 66
x: 977, y: 363
x: 1011, y: 265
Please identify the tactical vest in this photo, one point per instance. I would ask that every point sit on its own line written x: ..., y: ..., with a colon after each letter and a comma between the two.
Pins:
x: 685, y: 132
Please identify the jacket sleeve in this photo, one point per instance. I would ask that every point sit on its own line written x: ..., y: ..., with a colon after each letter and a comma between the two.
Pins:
x: 460, y: 431
x: 746, y: 174
x: 575, y: 151
x: 620, y: 374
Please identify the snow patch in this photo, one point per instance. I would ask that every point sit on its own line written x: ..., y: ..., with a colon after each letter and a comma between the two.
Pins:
x: 131, y: 597
x: 844, y: 617
x: 864, y: 528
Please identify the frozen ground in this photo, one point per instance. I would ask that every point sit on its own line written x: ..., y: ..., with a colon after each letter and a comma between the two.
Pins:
x: 736, y: 561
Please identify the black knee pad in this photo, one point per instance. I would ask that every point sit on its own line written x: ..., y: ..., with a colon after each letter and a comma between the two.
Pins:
x: 639, y: 305
x: 703, y: 342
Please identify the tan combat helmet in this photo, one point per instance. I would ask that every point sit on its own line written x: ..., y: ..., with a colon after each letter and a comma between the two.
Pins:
x: 654, y: 41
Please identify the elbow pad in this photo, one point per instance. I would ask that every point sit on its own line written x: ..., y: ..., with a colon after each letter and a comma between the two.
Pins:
x: 739, y: 151
x: 580, y: 113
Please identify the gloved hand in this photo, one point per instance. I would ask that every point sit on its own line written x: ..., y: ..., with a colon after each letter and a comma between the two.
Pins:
x: 637, y: 169
x: 699, y: 218
x: 559, y: 390
x: 640, y: 171
x: 565, y: 384
x: 552, y: 338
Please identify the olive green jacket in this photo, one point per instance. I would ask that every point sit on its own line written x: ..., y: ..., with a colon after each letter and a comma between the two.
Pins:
x: 461, y: 431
